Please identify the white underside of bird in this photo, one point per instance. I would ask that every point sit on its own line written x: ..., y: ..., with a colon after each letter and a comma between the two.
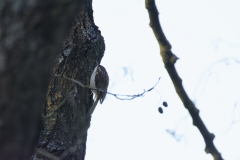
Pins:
x: 99, y: 81
x: 92, y: 81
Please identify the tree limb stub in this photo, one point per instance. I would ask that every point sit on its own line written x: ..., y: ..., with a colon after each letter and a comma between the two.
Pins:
x: 167, y: 55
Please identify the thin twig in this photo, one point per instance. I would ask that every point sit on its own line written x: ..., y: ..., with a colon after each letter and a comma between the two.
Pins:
x: 129, y: 97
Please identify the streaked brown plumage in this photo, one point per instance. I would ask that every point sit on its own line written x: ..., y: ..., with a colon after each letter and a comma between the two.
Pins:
x: 99, y: 80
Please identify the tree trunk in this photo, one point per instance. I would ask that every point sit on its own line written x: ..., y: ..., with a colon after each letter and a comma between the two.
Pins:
x: 31, y: 35
x: 65, y: 122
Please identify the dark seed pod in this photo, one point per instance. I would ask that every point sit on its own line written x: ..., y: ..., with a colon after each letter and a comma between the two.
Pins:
x: 165, y: 104
x: 160, y: 110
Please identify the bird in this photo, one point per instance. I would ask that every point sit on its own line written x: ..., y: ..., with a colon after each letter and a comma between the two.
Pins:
x: 99, y: 80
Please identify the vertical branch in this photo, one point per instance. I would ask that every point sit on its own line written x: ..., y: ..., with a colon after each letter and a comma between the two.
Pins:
x: 169, y: 60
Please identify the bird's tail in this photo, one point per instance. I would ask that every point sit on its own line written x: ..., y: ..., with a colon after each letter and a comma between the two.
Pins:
x: 93, y: 107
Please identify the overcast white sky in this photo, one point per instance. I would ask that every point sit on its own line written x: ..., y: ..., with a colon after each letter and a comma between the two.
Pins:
x: 205, y: 35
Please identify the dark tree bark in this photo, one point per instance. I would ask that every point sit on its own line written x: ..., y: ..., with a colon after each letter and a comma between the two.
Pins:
x: 31, y: 35
x: 65, y: 129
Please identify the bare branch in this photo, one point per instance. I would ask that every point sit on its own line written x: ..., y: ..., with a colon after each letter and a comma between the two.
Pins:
x: 169, y: 60
x: 118, y: 96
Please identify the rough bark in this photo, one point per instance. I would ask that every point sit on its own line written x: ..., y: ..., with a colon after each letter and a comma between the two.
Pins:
x: 65, y: 122
x: 31, y: 35
x: 169, y: 60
